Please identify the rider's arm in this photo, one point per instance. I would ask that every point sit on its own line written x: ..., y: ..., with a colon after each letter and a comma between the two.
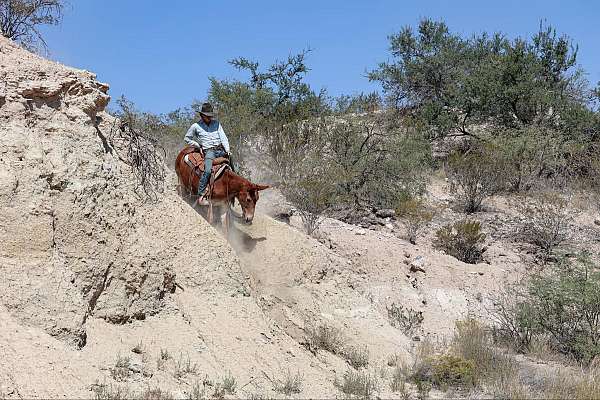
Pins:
x: 189, y: 137
x: 223, y: 137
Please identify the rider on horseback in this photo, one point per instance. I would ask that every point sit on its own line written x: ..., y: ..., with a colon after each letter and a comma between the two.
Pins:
x: 208, y: 135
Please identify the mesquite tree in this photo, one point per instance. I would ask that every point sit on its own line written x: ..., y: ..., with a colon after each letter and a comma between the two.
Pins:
x: 20, y: 19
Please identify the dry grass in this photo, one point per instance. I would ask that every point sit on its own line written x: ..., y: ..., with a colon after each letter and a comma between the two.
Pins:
x: 357, y: 383
x: 198, y: 392
x: 324, y: 337
x: 473, y: 342
x: 291, y: 384
x: 163, y: 357
x: 357, y: 357
x: 121, y: 392
x: 579, y: 385
x: 184, y: 367
x: 155, y: 394
x: 121, y: 371
x: 229, y: 383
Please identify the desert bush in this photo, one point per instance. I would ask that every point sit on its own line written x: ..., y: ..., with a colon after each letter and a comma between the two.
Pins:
x: 324, y: 337
x: 476, y: 175
x: 155, y: 394
x: 566, y: 305
x: 452, y: 83
x: 575, y: 386
x: 532, y: 155
x: 357, y: 383
x: 312, y: 196
x: 473, y: 342
x: 398, y: 382
x: 291, y: 384
x: 184, y: 367
x: 357, y: 357
x: 559, y: 306
x: 198, y: 392
x: 20, y: 20
x: 102, y: 391
x: 121, y: 371
x: 462, y: 240
x: 144, y: 153
x: 547, y: 220
x: 162, y: 359
x: 229, y: 383
x: 414, y: 215
x: 514, y: 320
x: 406, y: 319
x: 449, y: 370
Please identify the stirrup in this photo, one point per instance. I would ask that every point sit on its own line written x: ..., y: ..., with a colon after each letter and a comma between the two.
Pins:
x: 202, y: 199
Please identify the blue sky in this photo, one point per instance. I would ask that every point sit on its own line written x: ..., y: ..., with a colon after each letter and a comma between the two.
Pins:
x: 160, y: 54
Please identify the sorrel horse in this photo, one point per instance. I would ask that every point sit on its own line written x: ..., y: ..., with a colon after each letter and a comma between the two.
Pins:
x: 225, y: 189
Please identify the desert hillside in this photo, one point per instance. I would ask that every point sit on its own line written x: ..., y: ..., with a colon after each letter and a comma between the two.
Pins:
x: 104, y: 294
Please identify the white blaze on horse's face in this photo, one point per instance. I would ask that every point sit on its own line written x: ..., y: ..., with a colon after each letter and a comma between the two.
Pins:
x: 248, y: 201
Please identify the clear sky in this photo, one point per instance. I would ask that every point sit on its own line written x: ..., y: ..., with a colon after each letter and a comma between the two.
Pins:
x: 160, y: 53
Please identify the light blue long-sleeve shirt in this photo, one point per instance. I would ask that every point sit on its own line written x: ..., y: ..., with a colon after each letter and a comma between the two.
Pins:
x: 207, y: 136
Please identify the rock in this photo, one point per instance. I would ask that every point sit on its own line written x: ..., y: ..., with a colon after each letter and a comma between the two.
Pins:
x: 386, y: 213
x: 597, y: 221
x: 136, y: 366
x: 360, y: 232
x: 417, y: 265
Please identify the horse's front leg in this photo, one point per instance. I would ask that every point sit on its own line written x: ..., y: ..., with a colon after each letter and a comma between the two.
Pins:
x: 227, y: 218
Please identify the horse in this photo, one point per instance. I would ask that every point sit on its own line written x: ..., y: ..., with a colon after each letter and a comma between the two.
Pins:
x: 225, y: 189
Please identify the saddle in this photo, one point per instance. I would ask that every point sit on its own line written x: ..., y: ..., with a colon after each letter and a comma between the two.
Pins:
x: 194, y: 158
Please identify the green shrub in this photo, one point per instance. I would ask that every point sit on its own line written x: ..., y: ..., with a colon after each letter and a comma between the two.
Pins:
x: 566, y: 304
x: 473, y: 342
x: 515, y: 322
x: 414, y: 215
x: 462, y: 240
x: 407, y: 319
x: 560, y: 305
x: 449, y: 370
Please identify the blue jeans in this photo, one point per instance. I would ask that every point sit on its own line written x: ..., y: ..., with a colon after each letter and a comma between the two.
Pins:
x: 209, y: 156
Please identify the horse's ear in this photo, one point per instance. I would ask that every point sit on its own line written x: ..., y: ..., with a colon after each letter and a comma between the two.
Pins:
x: 260, y: 187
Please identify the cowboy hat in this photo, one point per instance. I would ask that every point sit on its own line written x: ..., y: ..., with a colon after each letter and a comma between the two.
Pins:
x: 207, y: 109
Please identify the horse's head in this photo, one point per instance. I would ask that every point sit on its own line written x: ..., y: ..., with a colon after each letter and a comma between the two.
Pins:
x: 247, y: 198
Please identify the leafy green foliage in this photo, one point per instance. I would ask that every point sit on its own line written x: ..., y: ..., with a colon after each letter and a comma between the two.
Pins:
x: 449, y: 370
x: 453, y: 83
x: 566, y: 304
x: 462, y: 240
x: 561, y: 304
